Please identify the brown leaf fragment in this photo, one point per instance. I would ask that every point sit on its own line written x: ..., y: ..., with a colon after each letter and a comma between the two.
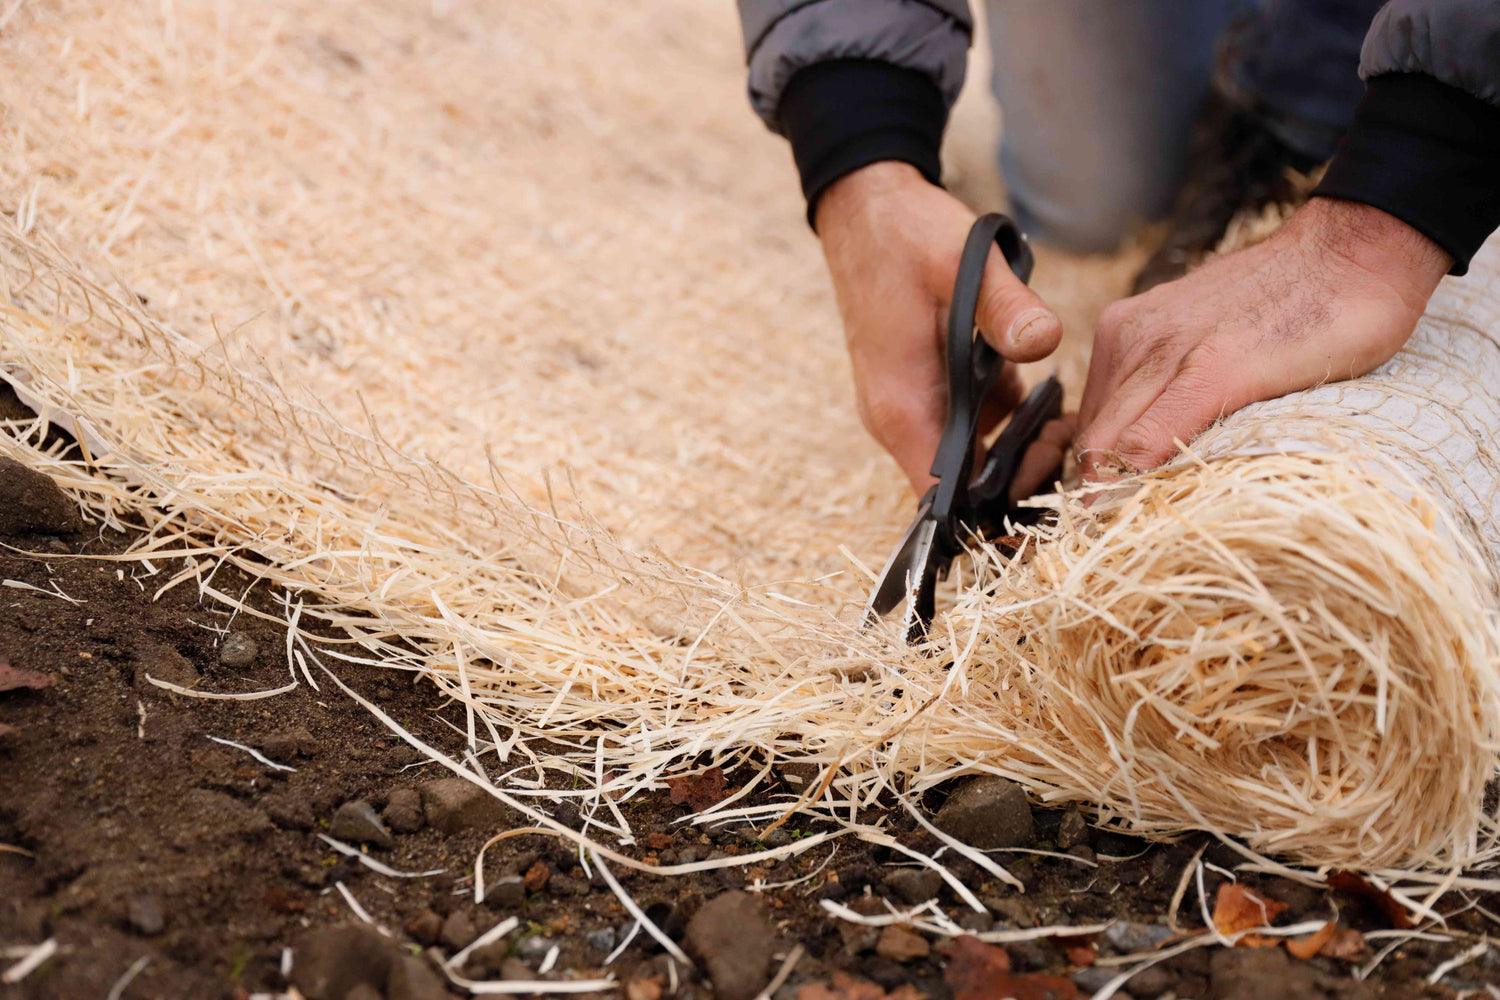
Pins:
x: 698, y: 791
x: 1358, y: 885
x: 847, y: 987
x: 1082, y: 954
x: 1346, y: 944
x: 1239, y: 909
x: 978, y: 971
x: 12, y: 678
x: 1305, y: 948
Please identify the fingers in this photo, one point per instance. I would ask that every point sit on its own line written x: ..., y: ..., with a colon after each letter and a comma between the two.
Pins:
x: 1044, y: 457
x: 1139, y: 426
x: 1013, y: 319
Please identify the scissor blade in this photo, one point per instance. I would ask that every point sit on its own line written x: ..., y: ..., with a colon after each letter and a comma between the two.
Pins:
x: 904, y: 570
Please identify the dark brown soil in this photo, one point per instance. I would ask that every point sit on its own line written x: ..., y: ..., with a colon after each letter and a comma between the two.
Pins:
x: 129, y: 833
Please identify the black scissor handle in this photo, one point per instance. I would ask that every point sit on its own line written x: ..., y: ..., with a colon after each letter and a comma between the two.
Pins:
x: 973, y: 365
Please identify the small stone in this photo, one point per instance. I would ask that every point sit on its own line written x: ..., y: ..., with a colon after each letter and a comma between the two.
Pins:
x: 239, y: 650
x: 1152, y: 981
x: 658, y: 841
x: 58, y: 546
x: 1085, y: 855
x: 899, y: 944
x: 328, y: 963
x: 508, y: 893
x: 425, y: 928
x: 534, y: 949
x: 778, y: 837
x: 295, y: 742
x: 988, y: 813
x: 1073, y: 830
x: 144, y: 914
x: 601, y: 940
x: 515, y: 969
x: 452, y: 805
x: 32, y: 504
x: 413, y: 979
x: 1094, y: 977
x: 1131, y: 936
x: 1014, y: 910
x: 567, y: 885
x: 458, y: 930
x: 487, y: 960
x: 535, y: 879
x: 356, y: 821
x: 913, y: 885
x: 403, y: 811
x: 732, y: 937
x: 975, y: 923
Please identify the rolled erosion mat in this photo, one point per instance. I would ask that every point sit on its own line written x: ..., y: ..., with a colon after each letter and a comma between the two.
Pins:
x: 1290, y: 634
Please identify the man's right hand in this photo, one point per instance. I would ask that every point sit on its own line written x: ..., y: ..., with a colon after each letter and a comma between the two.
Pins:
x: 893, y: 241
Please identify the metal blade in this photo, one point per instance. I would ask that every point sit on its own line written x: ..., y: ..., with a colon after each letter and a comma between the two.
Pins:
x: 904, y: 570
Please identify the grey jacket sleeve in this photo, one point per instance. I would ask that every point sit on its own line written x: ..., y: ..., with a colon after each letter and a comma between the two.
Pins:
x: 784, y: 36
x: 1456, y: 42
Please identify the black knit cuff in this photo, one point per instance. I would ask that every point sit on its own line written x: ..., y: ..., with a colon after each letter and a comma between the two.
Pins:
x: 1427, y: 153
x: 844, y: 114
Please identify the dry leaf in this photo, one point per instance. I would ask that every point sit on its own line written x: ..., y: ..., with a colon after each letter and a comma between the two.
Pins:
x: 847, y: 987
x: 698, y: 791
x: 1358, y: 885
x: 1346, y: 944
x: 1238, y: 909
x: 978, y: 971
x: 14, y: 677
x: 1082, y: 954
x: 1305, y: 948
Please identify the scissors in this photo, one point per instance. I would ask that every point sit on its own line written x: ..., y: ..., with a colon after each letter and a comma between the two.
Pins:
x: 962, y: 504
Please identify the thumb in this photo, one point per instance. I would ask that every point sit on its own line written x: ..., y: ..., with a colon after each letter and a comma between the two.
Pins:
x: 1012, y: 317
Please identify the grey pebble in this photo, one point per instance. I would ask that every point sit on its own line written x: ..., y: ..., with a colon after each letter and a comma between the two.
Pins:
x: 1073, y: 830
x: 403, y: 811
x: 145, y: 915
x: 913, y: 885
x: 1130, y: 936
x: 534, y: 949
x: 988, y: 812
x: 357, y: 821
x: 239, y: 650
x: 602, y: 940
x: 508, y: 893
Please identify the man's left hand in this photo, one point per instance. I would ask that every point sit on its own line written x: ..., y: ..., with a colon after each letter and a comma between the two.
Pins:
x: 1331, y: 295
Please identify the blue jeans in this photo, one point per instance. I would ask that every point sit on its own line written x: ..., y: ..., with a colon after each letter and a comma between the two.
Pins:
x: 1098, y: 97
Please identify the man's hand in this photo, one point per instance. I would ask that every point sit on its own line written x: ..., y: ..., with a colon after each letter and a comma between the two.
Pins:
x: 1334, y: 293
x: 893, y: 241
